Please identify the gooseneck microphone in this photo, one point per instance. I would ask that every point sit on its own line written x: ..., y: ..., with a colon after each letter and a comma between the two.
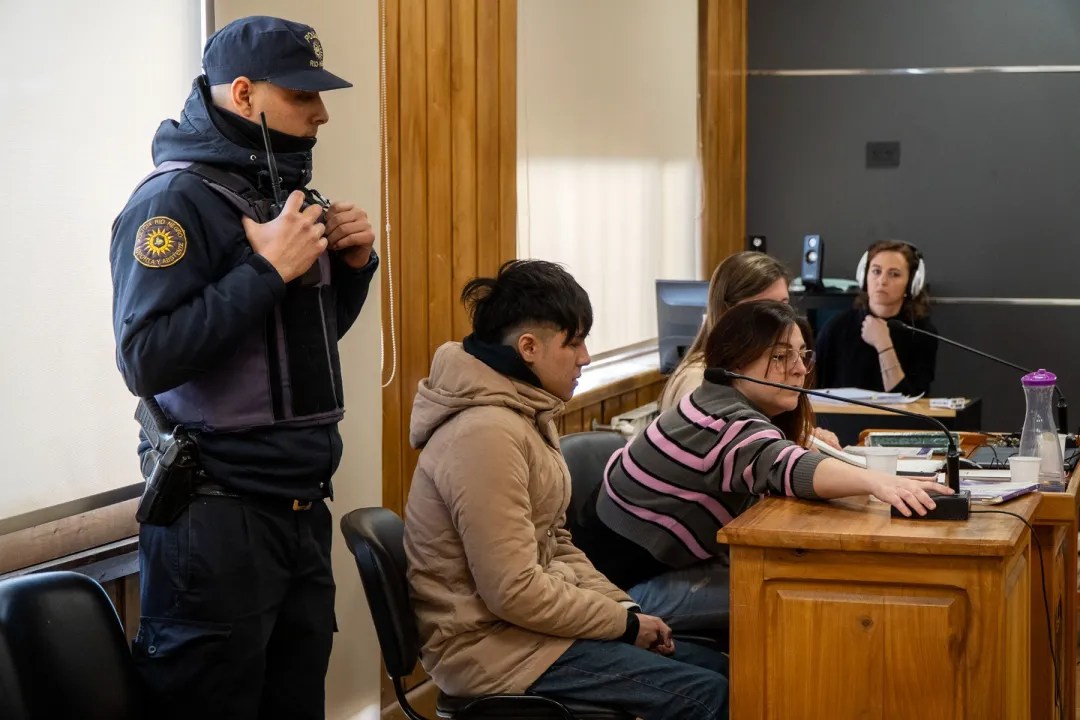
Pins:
x: 1062, y: 405
x: 949, y: 507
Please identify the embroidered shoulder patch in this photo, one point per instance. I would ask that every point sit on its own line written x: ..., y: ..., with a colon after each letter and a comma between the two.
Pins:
x: 160, y: 242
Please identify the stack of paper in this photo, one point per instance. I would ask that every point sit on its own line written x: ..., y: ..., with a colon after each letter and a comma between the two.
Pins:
x: 884, y: 398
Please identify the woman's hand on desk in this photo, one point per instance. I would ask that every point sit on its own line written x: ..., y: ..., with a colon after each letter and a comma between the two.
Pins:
x: 875, y: 332
x: 905, y: 494
x: 827, y: 437
x: 836, y: 479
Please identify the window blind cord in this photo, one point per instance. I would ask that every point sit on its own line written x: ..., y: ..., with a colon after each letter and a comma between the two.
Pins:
x: 385, y: 141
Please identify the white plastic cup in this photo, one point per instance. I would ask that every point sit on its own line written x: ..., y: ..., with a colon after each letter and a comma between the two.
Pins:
x: 882, y: 459
x: 1024, y: 468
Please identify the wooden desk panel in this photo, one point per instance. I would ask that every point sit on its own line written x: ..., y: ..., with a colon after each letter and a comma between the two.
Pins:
x: 840, y: 611
x: 1056, y: 527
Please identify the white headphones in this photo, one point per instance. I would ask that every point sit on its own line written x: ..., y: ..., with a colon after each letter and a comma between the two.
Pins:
x: 916, y: 282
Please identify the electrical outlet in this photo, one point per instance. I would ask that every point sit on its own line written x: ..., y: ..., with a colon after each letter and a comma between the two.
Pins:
x: 883, y: 154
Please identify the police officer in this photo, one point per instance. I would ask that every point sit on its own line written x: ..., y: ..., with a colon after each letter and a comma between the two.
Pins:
x: 228, y: 311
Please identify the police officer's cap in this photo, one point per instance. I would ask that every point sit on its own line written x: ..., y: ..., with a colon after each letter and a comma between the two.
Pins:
x: 285, y: 53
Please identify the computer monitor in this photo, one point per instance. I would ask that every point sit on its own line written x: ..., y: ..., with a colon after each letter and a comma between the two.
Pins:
x: 681, y: 305
x: 680, y: 310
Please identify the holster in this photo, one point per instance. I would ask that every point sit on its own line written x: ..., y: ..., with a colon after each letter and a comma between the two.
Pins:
x: 170, y: 466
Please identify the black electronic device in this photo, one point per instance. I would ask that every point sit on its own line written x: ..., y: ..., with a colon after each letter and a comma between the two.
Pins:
x: 949, y: 507
x: 311, y: 197
x: 756, y: 243
x: 813, y: 262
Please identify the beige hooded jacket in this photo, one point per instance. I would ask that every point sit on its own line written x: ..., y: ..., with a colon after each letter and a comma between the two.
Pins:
x: 499, y: 589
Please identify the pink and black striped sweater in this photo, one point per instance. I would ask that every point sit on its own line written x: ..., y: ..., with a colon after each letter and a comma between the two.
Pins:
x: 694, y: 469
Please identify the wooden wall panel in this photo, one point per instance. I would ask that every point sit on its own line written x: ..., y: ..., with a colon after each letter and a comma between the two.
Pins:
x: 393, y: 441
x: 451, y: 114
x: 604, y: 403
x: 722, y: 127
x: 463, y: 83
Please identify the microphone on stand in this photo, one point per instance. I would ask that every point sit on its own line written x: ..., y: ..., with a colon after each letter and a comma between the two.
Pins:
x: 1062, y: 405
x: 949, y: 507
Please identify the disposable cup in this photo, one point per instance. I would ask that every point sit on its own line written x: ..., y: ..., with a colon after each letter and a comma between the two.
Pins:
x: 1024, y: 468
x: 882, y: 459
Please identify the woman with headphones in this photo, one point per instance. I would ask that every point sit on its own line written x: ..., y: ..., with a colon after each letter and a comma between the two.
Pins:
x: 859, y: 349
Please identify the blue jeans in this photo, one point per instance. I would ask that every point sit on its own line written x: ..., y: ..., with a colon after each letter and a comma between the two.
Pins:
x: 693, y: 599
x: 691, y: 685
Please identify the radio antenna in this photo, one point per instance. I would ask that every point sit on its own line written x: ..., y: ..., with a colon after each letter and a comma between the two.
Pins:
x: 271, y: 163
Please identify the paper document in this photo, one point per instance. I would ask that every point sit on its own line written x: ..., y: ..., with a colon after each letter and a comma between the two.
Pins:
x: 882, y: 398
x: 924, y: 452
x: 986, y: 475
x: 956, y: 403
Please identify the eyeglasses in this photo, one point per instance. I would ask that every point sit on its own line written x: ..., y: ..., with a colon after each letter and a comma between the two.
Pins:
x: 787, y: 357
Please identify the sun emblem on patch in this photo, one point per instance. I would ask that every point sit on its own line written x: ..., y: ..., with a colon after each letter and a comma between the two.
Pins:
x: 316, y: 47
x: 160, y: 242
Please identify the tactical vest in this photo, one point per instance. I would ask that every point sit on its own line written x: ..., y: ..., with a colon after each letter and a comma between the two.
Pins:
x: 286, y: 372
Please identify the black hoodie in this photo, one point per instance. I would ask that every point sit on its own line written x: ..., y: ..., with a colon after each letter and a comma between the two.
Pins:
x: 183, y: 307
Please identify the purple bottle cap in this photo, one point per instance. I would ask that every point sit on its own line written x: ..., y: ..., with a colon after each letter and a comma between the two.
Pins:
x: 1039, y: 378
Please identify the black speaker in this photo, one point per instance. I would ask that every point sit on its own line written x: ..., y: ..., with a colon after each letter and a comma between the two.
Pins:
x: 813, y: 261
x: 756, y: 243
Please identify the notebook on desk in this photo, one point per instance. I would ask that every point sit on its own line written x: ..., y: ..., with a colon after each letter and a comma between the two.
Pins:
x: 992, y: 492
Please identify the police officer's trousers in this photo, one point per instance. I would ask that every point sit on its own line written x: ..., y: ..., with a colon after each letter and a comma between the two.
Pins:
x: 237, y: 610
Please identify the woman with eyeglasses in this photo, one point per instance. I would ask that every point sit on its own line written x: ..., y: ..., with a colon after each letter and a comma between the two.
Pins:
x: 741, y: 278
x: 706, y: 460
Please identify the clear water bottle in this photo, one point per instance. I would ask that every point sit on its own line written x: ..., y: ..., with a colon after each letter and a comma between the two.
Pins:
x: 1040, y: 435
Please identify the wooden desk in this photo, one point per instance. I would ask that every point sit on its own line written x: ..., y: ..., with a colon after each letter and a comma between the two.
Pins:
x: 1056, y: 527
x: 839, y: 611
x: 848, y: 420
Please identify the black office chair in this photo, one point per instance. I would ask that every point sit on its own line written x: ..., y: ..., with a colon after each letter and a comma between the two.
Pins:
x: 375, y: 537
x: 12, y: 706
x: 586, y: 455
x: 68, y: 649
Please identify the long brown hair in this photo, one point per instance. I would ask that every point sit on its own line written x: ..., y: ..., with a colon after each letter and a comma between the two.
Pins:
x: 748, y: 331
x: 913, y: 307
x: 740, y: 276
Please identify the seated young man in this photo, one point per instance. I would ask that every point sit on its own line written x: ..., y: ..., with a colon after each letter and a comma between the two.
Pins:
x: 505, y: 603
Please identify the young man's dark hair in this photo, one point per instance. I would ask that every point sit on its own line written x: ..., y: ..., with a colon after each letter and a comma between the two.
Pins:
x: 526, y: 291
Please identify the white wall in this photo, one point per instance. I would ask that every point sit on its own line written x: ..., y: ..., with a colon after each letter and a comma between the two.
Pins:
x: 82, y: 89
x: 608, y: 172
x: 74, y: 140
x: 347, y: 167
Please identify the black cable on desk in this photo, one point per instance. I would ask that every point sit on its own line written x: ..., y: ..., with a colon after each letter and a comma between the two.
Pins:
x: 1046, y: 600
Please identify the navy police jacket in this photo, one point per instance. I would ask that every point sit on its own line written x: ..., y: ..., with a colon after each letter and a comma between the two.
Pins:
x: 208, y: 327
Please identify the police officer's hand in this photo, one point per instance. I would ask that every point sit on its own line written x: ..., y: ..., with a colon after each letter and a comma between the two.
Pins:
x: 349, y: 232
x: 292, y: 241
